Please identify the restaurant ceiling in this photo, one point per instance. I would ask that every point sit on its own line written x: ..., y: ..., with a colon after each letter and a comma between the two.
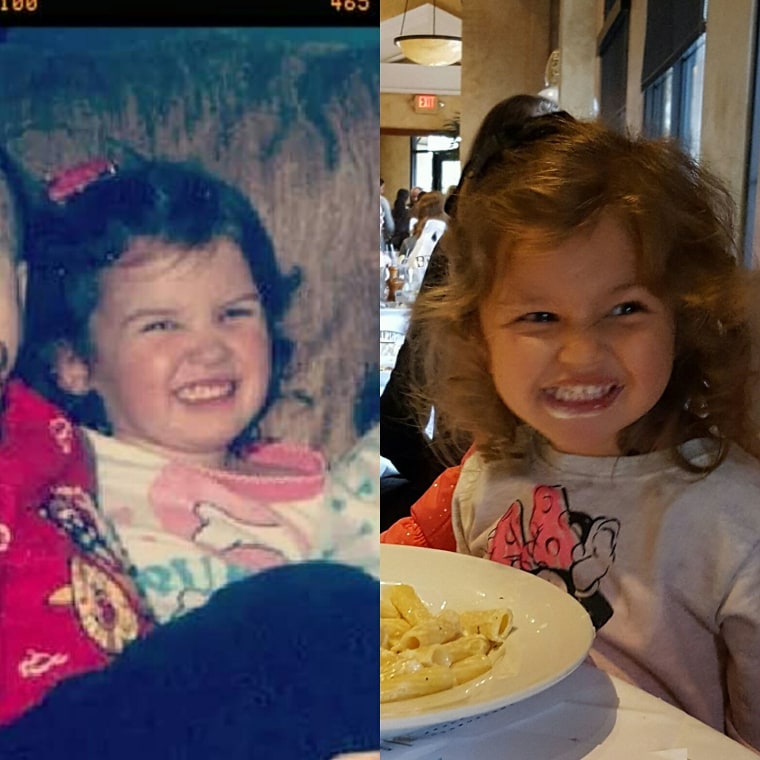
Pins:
x: 398, y: 74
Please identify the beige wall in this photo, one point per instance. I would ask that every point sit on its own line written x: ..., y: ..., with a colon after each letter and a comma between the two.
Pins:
x: 505, y: 46
x: 394, y: 163
x: 728, y: 92
x: 578, y: 28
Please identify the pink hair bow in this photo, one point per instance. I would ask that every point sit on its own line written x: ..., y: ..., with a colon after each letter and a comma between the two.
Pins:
x: 65, y: 183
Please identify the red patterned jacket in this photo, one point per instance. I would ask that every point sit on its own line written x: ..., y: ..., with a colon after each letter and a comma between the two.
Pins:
x: 429, y: 522
x: 67, y: 604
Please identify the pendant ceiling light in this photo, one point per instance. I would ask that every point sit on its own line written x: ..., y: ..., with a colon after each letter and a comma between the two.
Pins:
x: 429, y: 49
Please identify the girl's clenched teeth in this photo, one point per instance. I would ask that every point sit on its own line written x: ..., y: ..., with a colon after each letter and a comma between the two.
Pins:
x: 206, y: 391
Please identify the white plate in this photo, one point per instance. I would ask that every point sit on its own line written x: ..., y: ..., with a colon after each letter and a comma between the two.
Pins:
x: 552, y: 632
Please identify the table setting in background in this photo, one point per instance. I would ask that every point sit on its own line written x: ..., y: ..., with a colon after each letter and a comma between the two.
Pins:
x: 400, y: 278
x: 542, y: 698
x: 394, y: 319
x: 400, y: 281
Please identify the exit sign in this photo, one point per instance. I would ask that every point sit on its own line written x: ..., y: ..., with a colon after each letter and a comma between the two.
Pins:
x: 426, y: 103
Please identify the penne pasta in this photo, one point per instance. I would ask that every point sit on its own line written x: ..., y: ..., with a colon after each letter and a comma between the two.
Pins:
x: 423, y: 653
x: 470, y: 667
x: 436, y: 630
x: 387, y: 608
x: 493, y: 624
x: 465, y: 646
x: 391, y: 631
x: 430, y: 655
x: 404, y: 598
x: 386, y: 657
x: 418, y: 683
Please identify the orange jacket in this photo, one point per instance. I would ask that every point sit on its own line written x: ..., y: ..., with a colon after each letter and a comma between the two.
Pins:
x: 429, y: 524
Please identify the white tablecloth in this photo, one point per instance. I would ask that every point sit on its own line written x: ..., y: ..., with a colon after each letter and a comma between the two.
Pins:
x: 394, y: 318
x: 393, y: 324
x: 587, y: 715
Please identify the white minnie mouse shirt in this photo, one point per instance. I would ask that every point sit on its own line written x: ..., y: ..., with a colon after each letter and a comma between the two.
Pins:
x: 666, y: 562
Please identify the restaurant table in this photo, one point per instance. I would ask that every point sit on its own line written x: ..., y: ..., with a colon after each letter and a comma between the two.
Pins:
x: 394, y: 316
x: 588, y: 715
x: 394, y: 319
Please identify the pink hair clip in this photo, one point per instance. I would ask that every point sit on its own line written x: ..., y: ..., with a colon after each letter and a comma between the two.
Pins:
x: 67, y: 182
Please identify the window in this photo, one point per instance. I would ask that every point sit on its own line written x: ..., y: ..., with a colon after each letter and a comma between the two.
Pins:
x: 673, y: 102
x: 673, y: 69
x: 435, y: 162
x: 752, y: 225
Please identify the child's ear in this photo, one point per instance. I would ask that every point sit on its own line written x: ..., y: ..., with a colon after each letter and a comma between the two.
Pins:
x: 71, y: 370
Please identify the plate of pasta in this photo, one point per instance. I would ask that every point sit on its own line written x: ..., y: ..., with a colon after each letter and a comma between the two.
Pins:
x: 461, y: 636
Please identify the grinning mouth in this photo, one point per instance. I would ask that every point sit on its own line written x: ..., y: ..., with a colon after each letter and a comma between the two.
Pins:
x: 211, y: 390
x: 579, y: 393
x: 570, y: 401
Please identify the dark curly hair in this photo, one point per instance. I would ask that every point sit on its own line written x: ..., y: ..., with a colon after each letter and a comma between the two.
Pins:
x: 72, y: 243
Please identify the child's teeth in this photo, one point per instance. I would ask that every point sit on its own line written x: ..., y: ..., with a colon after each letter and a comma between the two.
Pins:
x: 580, y: 392
x: 205, y: 392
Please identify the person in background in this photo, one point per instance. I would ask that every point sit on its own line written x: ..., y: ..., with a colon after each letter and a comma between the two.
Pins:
x: 387, y: 226
x: 416, y: 193
x: 428, y: 209
x: 594, y: 340
x: 400, y: 213
x: 403, y: 439
x: 428, y: 230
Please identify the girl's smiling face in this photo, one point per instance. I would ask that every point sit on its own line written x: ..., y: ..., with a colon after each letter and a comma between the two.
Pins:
x: 181, y: 352
x: 579, y: 348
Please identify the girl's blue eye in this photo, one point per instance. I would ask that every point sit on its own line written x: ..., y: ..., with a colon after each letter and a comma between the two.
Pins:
x: 538, y: 317
x: 238, y: 312
x: 629, y: 307
x: 160, y: 325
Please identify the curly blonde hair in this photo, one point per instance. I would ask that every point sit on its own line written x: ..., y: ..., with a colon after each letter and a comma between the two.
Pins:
x: 554, y: 177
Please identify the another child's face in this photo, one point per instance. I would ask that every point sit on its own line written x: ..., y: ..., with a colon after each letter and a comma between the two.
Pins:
x: 181, y: 349
x: 11, y: 285
x: 579, y: 349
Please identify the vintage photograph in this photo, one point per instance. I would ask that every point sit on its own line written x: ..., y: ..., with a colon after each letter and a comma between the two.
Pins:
x: 189, y: 486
